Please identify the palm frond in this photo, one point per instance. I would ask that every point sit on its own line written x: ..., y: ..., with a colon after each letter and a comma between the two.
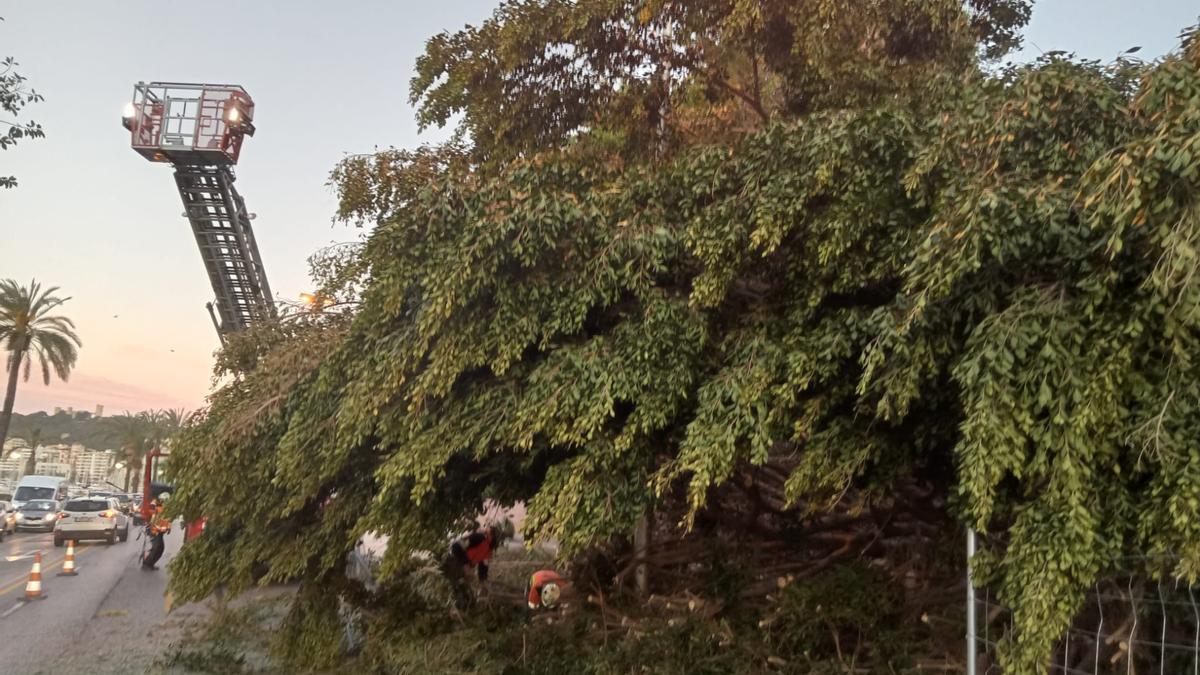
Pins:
x: 59, y: 351
x: 28, y: 329
x: 44, y: 365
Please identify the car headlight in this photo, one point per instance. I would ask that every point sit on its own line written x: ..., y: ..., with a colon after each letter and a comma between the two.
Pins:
x: 20, y: 516
x: 50, y: 517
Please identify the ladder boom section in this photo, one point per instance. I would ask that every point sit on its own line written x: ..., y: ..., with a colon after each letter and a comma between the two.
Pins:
x: 222, y: 228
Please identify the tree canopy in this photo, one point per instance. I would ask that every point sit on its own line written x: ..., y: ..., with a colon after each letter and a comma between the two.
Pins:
x: 733, y: 237
x: 639, y: 74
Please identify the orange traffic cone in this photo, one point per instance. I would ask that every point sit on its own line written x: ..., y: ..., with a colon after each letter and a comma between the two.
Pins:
x: 68, y: 568
x: 33, y: 589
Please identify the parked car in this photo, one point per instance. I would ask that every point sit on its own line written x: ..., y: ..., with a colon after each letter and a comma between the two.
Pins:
x: 38, y: 514
x: 126, y: 502
x: 92, y: 518
x: 136, y: 508
x: 9, y: 517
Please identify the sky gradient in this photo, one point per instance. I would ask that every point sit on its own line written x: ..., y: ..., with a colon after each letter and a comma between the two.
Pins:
x: 328, y: 79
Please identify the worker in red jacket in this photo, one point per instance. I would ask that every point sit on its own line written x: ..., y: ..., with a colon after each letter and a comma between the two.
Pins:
x: 472, y: 552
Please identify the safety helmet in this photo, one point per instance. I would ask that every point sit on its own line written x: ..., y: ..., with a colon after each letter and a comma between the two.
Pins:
x: 550, y: 593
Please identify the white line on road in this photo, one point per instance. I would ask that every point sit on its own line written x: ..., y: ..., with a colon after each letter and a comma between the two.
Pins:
x: 10, y: 610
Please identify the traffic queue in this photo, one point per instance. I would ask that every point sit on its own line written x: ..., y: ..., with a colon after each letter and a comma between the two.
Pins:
x: 51, y: 504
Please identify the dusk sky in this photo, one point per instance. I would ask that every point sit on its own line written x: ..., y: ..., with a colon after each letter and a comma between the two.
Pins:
x: 328, y: 79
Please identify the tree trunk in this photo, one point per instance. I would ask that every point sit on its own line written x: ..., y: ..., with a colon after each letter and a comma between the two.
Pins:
x: 128, y: 470
x: 641, y: 543
x: 31, y: 463
x: 10, y: 394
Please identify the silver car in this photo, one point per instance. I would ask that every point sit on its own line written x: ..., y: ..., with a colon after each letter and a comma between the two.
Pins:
x: 38, y: 514
x: 92, y: 518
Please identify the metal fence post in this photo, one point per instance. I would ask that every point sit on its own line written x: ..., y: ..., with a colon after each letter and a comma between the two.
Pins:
x: 972, y: 659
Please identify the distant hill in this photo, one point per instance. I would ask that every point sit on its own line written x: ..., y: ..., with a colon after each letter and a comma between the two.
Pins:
x: 82, y: 428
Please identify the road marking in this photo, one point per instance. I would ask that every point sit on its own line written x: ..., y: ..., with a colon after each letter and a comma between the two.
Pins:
x: 10, y: 610
x: 24, y: 577
x: 13, y: 585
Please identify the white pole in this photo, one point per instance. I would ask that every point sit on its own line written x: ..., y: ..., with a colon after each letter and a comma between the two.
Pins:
x: 971, y: 646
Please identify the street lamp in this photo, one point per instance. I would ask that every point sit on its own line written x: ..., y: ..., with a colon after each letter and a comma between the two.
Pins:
x: 127, y: 115
x: 315, y: 301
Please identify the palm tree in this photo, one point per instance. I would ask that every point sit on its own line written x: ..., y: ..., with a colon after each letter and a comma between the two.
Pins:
x: 169, y: 422
x: 27, y: 328
x: 165, y: 425
x: 34, y: 439
x: 134, y: 433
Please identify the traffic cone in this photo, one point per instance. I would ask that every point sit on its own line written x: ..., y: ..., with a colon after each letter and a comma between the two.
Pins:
x: 33, y: 589
x: 68, y: 568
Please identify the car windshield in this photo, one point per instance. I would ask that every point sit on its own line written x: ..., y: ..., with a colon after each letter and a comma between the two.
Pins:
x: 40, y: 505
x: 87, y: 505
x: 124, y: 499
x: 27, y: 493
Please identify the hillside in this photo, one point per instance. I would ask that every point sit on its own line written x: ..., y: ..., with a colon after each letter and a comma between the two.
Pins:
x: 85, y: 429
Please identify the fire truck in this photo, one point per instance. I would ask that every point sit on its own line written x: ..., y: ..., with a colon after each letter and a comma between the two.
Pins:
x: 199, y: 130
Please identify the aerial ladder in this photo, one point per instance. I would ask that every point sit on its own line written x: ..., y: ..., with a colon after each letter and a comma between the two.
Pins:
x: 199, y: 130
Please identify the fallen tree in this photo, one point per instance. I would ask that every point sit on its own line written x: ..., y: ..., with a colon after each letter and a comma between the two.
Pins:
x: 806, y: 280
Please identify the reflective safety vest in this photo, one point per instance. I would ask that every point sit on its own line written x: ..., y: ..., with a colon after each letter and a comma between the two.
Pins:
x: 157, y: 524
x: 481, y: 551
x: 538, y: 581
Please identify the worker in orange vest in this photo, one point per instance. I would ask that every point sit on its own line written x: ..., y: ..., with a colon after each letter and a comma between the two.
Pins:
x: 472, y: 552
x: 544, y: 589
x: 157, y: 528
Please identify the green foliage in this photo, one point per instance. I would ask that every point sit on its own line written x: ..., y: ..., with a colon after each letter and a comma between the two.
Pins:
x: 310, y: 635
x: 904, y: 267
x: 82, y: 429
x: 853, y: 610
x: 848, y: 615
x: 639, y: 74
x: 216, y: 657
x: 501, y: 641
x: 496, y: 638
x: 15, y: 94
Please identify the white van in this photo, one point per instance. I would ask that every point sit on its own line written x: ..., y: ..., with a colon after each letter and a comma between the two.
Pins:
x: 40, y: 487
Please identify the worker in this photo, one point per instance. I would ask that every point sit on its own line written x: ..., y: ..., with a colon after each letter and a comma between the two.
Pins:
x: 543, y: 589
x: 157, y: 528
x: 473, y: 552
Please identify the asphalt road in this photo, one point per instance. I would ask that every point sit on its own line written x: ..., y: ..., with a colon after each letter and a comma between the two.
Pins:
x: 111, y: 618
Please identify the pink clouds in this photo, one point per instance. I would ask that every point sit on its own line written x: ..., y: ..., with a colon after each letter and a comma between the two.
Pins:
x: 84, y: 391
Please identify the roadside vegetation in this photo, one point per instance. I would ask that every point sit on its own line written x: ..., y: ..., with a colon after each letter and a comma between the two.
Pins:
x: 803, y: 289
